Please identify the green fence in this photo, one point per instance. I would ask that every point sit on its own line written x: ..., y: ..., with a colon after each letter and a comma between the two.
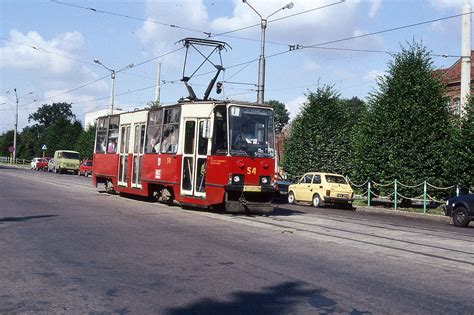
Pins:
x: 427, y: 192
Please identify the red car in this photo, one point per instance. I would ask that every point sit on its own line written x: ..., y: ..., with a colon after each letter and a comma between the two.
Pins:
x: 41, y: 164
x: 85, y: 168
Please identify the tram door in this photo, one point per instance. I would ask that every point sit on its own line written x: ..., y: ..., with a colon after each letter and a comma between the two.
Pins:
x: 138, y: 146
x: 123, y: 154
x: 194, y: 158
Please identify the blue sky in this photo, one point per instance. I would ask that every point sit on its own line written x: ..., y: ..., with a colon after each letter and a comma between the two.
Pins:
x: 66, y: 39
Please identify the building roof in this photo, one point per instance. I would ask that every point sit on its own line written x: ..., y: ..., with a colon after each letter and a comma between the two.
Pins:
x: 453, y: 73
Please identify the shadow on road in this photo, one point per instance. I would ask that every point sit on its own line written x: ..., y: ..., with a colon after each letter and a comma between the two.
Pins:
x: 24, y: 219
x: 278, y: 211
x: 279, y: 299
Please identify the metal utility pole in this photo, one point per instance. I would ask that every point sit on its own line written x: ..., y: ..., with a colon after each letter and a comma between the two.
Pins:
x: 16, y: 124
x: 16, y: 127
x: 112, y: 88
x: 112, y: 91
x: 158, y: 83
x: 261, y: 59
x: 465, y: 57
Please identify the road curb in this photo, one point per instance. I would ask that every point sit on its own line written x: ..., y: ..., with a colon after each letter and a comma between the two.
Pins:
x: 422, y: 216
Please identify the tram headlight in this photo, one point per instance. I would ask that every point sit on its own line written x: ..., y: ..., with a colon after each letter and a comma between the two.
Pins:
x: 236, y: 179
x: 265, y: 180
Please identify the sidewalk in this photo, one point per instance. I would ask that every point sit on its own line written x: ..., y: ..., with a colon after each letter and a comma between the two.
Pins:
x: 423, y: 216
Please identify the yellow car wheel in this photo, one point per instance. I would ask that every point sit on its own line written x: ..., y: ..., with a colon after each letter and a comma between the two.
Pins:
x: 291, y: 198
x: 316, y: 201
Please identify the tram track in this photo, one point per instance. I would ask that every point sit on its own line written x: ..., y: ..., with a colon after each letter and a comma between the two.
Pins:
x: 383, y: 243
x: 413, y: 228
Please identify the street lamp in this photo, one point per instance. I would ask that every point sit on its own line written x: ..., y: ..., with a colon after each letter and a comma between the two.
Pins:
x: 16, y: 123
x: 261, y: 59
x: 112, y: 76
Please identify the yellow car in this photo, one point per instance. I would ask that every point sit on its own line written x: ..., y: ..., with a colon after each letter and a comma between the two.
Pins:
x: 321, y: 189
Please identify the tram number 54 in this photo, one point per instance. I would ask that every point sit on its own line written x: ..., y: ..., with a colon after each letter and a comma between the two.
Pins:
x: 251, y: 170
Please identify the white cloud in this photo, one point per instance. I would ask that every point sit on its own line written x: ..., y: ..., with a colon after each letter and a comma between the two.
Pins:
x: 48, y: 73
x: 447, y: 4
x: 46, y: 56
x: 374, y: 8
x: 322, y: 24
x: 294, y: 106
x: 161, y: 37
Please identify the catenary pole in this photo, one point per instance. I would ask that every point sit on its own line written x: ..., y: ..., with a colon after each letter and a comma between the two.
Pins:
x: 465, y: 58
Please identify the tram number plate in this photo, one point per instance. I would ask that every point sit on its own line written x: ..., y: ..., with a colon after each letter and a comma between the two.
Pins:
x: 253, y: 188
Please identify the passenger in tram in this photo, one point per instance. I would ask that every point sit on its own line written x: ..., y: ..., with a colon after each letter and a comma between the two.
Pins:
x: 170, y: 142
x: 112, y: 146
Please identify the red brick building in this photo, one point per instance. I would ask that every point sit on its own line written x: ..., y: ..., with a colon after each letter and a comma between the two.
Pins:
x: 452, y: 78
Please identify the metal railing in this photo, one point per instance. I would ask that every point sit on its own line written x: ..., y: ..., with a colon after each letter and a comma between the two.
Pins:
x: 427, y: 195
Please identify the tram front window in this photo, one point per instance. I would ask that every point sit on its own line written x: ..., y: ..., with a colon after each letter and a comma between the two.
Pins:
x: 251, y: 131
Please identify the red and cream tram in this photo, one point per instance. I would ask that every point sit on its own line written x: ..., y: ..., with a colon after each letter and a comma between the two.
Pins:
x: 197, y: 153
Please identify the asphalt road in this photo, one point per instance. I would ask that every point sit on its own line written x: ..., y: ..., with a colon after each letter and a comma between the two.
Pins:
x: 68, y: 248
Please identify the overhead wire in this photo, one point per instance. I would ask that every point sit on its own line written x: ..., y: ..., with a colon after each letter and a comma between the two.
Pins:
x: 243, y: 63
x: 68, y: 91
x: 277, y: 19
x: 131, y: 17
x: 49, y: 52
x: 300, y: 47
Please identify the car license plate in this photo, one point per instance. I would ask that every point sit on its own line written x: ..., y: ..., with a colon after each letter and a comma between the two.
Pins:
x: 253, y: 188
x: 342, y: 196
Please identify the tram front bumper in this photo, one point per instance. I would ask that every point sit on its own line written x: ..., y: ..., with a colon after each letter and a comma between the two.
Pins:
x: 249, y: 199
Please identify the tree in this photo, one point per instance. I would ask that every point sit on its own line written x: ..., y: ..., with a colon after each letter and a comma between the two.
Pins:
x: 153, y: 104
x: 467, y: 146
x: 28, y: 144
x: 62, y: 134
x: 85, y: 143
x: 48, y: 114
x: 406, y: 131
x: 280, y: 114
x: 56, y: 127
x: 6, y: 140
x: 355, y: 108
x: 318, y: 139
x: 461, y: 161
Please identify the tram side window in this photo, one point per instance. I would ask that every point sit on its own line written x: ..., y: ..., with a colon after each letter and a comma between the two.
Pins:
x: 113, y: 134
x: 101, y: 139
x: 153, y: 142
x: 219, y: 145
x: 170, y: 130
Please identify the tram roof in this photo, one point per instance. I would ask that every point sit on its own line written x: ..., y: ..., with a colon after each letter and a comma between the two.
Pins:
x: 186, y: 102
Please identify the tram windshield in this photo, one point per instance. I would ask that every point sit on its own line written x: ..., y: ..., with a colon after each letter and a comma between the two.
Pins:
x: 251, y: 131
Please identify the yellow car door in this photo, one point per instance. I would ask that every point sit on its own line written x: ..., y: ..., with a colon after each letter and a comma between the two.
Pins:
x: 305, y: 188
x: 317, y: 187
x: 296, y: 188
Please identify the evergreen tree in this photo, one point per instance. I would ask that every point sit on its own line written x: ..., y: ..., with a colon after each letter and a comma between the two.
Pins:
x: 280, y: 115
x: 318, y: 139
x: 406, y: 132
x: 461, y: 161
x: 355, y: 108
